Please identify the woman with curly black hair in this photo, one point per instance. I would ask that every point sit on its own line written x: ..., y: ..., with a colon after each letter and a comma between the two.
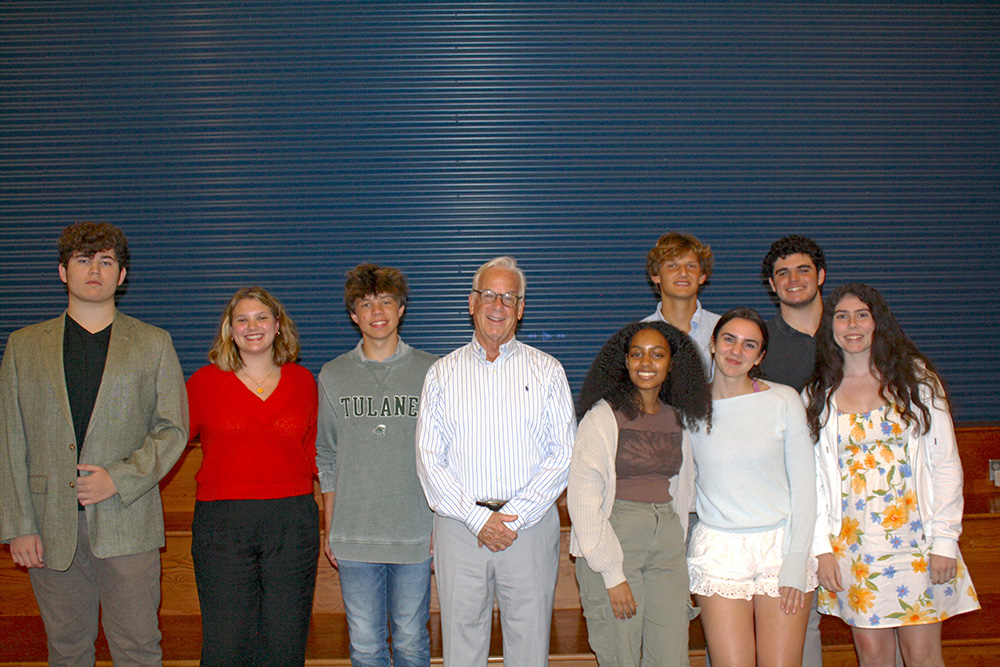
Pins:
x: 749, y: 563
x: 631, y: 485
x: 891, y: 499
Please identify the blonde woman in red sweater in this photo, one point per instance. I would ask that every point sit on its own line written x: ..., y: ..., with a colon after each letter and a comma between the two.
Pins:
x: 255, y: 535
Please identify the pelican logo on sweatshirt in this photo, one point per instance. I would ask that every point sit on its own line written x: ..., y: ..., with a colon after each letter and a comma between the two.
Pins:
x: 389, y: 406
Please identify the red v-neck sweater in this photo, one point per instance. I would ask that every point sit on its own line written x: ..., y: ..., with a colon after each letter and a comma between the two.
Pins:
x: 253, y: 449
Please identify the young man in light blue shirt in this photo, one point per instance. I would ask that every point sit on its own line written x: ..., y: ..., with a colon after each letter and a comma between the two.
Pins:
x: 677, y: 266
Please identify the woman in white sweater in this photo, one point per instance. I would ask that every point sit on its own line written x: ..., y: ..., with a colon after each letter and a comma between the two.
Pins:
x: 891, y: 484
x: 630, y: 490
x: 749, y: 563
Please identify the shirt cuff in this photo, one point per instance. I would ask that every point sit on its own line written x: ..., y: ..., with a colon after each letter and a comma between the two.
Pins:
x: 327, y: 481
x: 512, y: 508
x: 477, y: 518
x: 944, y: 546
x: 793, y: 571
x: 821, y: 545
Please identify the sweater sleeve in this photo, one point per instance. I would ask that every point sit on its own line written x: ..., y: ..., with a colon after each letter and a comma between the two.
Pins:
x: 326, y: 437
x: 945, y: 466
x: 821, y: 537
x: 589, y: 486
x: 800, y: 465
x: 309, y: 440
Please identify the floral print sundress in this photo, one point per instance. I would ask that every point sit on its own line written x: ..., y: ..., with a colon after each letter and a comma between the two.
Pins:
x: 882, y: 551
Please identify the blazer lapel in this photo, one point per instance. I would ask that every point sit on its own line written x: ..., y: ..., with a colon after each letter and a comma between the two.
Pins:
x: 52, y: 353
x: 114, y: 366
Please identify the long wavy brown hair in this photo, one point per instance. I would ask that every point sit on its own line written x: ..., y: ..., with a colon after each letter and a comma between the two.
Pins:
x: 897, y: 363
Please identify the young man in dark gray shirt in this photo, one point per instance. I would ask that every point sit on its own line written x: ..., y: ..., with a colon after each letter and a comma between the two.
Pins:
x: 795, y: 268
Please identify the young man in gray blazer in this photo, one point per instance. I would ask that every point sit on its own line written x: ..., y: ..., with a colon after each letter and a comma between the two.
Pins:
x: 94, y: 414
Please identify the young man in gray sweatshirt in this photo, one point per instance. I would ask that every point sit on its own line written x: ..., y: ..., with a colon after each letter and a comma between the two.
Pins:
x: 378, y: 521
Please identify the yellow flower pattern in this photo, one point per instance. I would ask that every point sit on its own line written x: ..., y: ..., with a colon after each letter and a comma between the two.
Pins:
x: 894, y: 517
x: 849, y: 532
x: 860, y: 598
x: 882, y: 549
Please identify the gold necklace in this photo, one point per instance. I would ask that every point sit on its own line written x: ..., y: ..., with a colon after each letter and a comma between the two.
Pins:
x: 260, y: 385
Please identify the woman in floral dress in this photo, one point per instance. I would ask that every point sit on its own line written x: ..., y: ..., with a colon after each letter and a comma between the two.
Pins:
x: 891, y: 480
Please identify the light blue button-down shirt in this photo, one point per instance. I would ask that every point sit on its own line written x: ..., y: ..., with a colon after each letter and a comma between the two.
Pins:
x: 702, y: 324
x: 500, y: 430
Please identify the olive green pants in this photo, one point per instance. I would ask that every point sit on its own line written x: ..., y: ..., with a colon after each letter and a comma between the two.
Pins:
x: 656, y: 570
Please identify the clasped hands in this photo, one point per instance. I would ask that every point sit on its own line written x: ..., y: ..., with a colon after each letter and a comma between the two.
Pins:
x: 495, y: 535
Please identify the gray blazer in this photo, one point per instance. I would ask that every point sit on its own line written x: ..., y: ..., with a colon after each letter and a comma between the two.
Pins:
x: 138, y: 430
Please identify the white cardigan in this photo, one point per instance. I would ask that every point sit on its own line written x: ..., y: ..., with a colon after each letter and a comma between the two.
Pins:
x: 591, y: 492
x: 937, y: 478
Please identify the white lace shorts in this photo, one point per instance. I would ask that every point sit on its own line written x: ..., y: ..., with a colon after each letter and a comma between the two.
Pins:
x: 738, y: 565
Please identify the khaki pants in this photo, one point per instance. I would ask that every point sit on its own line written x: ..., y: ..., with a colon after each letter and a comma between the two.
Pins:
x: 126, y: 589
x: 522, y: 578
x: 656, y: 570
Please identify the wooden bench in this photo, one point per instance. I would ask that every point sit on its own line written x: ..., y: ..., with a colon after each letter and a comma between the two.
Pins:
x: 969, y: 639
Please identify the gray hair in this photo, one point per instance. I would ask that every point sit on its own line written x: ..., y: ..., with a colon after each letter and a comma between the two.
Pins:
x: 504, y: 262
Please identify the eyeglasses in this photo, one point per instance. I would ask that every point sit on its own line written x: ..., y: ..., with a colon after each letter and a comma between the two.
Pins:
x: 488, y: 296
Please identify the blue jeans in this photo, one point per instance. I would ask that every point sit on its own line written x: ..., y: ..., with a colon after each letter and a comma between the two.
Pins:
x: 379, y: 594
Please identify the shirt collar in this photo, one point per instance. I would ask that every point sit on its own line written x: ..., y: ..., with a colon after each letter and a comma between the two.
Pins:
x: 695, y: 319
x: 401, y: 349
x: 506, y: 349
x: 783, y: 326
x: 786, y: 329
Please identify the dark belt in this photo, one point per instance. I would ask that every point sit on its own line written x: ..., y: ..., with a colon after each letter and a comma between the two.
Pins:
x: 492, y: 505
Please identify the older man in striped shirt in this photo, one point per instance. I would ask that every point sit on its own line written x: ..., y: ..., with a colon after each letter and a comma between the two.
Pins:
x: 494, y: 441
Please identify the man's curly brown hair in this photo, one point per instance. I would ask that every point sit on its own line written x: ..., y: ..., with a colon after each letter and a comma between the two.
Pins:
x: 89, y: 238
x: 371, y: 280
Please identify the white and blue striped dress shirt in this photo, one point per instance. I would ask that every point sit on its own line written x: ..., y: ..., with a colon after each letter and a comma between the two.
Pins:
x: 500, y: 430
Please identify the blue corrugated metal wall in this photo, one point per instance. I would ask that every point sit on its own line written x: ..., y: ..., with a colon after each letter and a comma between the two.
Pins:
x: 281, y: 143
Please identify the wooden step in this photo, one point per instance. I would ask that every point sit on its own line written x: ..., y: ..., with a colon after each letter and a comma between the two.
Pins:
x: 180, y: 596
x: 977, y: 444
x: 969, y: 639
x: 980, y: 546
x: 327, y: 639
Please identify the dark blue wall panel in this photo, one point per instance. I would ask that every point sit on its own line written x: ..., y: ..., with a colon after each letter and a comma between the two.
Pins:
x: 282, y: 143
